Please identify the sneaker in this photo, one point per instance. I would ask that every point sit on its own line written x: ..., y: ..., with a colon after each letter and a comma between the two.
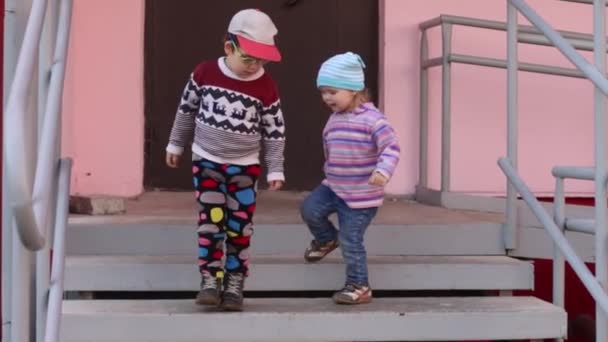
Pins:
x: 317, y: 250
x: 232, y: 298
x: 210, y: 290
x: 353, y: 294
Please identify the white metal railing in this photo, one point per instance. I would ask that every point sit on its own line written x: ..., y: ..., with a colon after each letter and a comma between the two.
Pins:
x: 557, y: 227
x: 541, y: 33
x: 579, y: 267
x: 35, y: 204
x: 526, y: 35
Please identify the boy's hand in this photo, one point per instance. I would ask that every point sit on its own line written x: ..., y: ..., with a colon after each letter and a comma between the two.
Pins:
x: 172, y: 160
x: 275, y: 185
x: 377, y: 179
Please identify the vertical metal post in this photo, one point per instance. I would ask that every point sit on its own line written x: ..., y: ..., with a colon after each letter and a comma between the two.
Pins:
x: 510, y: 229
x: 446, y: 102
x: 61, y: 222
x: 601, y: 234
x: 559, y: 264
x: 45, y: 63
x: 22, y: 286
x: 424, y: 111
x: 16, y: 261
x: 45, y: 60
x: 11, y: 50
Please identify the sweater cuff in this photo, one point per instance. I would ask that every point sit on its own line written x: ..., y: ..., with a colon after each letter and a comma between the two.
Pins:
x: 175, y: 149
x: 275, y: 176
x: 383, y: 172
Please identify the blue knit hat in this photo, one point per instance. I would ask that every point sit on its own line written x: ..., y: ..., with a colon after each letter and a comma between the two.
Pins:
x: 343, y: 71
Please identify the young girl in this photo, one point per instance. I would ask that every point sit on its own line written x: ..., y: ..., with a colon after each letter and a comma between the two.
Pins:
x: 232, y: 106
x: 361, y: 153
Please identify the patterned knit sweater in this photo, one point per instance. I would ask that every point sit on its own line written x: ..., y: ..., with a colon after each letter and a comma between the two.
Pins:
x: 230, y: 118
x: 357, y: 144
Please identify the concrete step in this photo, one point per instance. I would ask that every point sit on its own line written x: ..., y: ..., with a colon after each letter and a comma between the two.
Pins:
x: 385, y: 319
x: 291, y: 273
x: 150, y: 237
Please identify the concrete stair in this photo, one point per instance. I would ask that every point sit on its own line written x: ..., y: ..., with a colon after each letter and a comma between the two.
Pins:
x: 291, y: 273
x: 388, y: 319
x: 145, y: 236
x: 411, y: 247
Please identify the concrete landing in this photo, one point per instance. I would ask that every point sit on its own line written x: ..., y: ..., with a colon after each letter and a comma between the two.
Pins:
x: 277, y: 207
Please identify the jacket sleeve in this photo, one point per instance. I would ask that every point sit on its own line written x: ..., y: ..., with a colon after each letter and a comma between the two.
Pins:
x: 183, y: 125
x: 388, y: 147
x: 273, y: 137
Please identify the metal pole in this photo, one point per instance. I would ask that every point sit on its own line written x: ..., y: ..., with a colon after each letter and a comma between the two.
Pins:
x: 19, y: 139
x: 45, y: 63
x: 22, y: 287
x: 559, y: 263
x: 61, y: 221
x: 510, y: 229
x: 11, y: 50
x: 598, y: 78
x: 17, y: 261
x: 579, y: 267
x: 601, y: 233
x: 446, y: 115
x: 424, y: 111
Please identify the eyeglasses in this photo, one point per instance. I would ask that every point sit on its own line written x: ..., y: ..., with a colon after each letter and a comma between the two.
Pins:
x: 245, y: 58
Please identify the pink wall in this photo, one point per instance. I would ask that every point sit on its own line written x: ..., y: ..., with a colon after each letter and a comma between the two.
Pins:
x: 103, y: 102
x: 104, y: 121
x: 555, y: 113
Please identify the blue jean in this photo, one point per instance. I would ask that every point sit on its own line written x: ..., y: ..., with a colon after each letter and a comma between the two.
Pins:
x: 315, y: 211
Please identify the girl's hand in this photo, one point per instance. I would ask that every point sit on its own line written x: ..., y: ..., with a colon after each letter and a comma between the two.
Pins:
x: 378, y: 179
x: 275, y: 185
x: 172, y: 160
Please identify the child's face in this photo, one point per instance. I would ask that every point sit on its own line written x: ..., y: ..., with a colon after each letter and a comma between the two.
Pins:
x: 240, y: 63
x: 338, y: 100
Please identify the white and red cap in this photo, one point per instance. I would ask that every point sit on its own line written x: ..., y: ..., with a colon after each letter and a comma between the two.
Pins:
x: 255, y: 33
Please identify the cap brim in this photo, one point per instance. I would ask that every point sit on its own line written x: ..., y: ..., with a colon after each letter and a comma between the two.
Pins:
x: 259, y: 50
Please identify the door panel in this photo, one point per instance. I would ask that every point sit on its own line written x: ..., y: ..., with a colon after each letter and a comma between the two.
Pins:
x: 179, y: 34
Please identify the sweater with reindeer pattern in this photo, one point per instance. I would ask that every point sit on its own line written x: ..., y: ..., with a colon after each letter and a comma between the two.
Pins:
x: 228, y: 118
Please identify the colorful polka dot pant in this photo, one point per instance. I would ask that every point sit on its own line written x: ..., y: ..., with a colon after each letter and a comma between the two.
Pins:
x: 226, y: 194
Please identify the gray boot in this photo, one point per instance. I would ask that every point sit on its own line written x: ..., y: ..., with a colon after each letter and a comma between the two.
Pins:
x: 232, y: 298
x: 210, y: 290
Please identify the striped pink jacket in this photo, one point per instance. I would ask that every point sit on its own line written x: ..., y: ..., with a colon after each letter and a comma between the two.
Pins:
x: 357, y: 144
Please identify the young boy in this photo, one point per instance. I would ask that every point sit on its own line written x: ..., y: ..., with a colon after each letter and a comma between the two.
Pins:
x: 231, y: 105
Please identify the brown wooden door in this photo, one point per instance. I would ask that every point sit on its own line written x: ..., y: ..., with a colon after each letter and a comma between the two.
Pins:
x: 181, y: 33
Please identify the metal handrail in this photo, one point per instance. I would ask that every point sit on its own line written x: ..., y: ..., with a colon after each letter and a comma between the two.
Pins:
x: 20, y: 185
x: 492, y: 25
x: 541, y: 33
x: 587, y: 173
x: 35, y: 201
x: 30, y: 199
x: 561, y: 173
x: 55, y: 300
x: 526, y: 34
x: 521, y: 34
x: 588, y: 2
x: 592, y: 285
x: 563, y: 45
x: 595, y: 73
